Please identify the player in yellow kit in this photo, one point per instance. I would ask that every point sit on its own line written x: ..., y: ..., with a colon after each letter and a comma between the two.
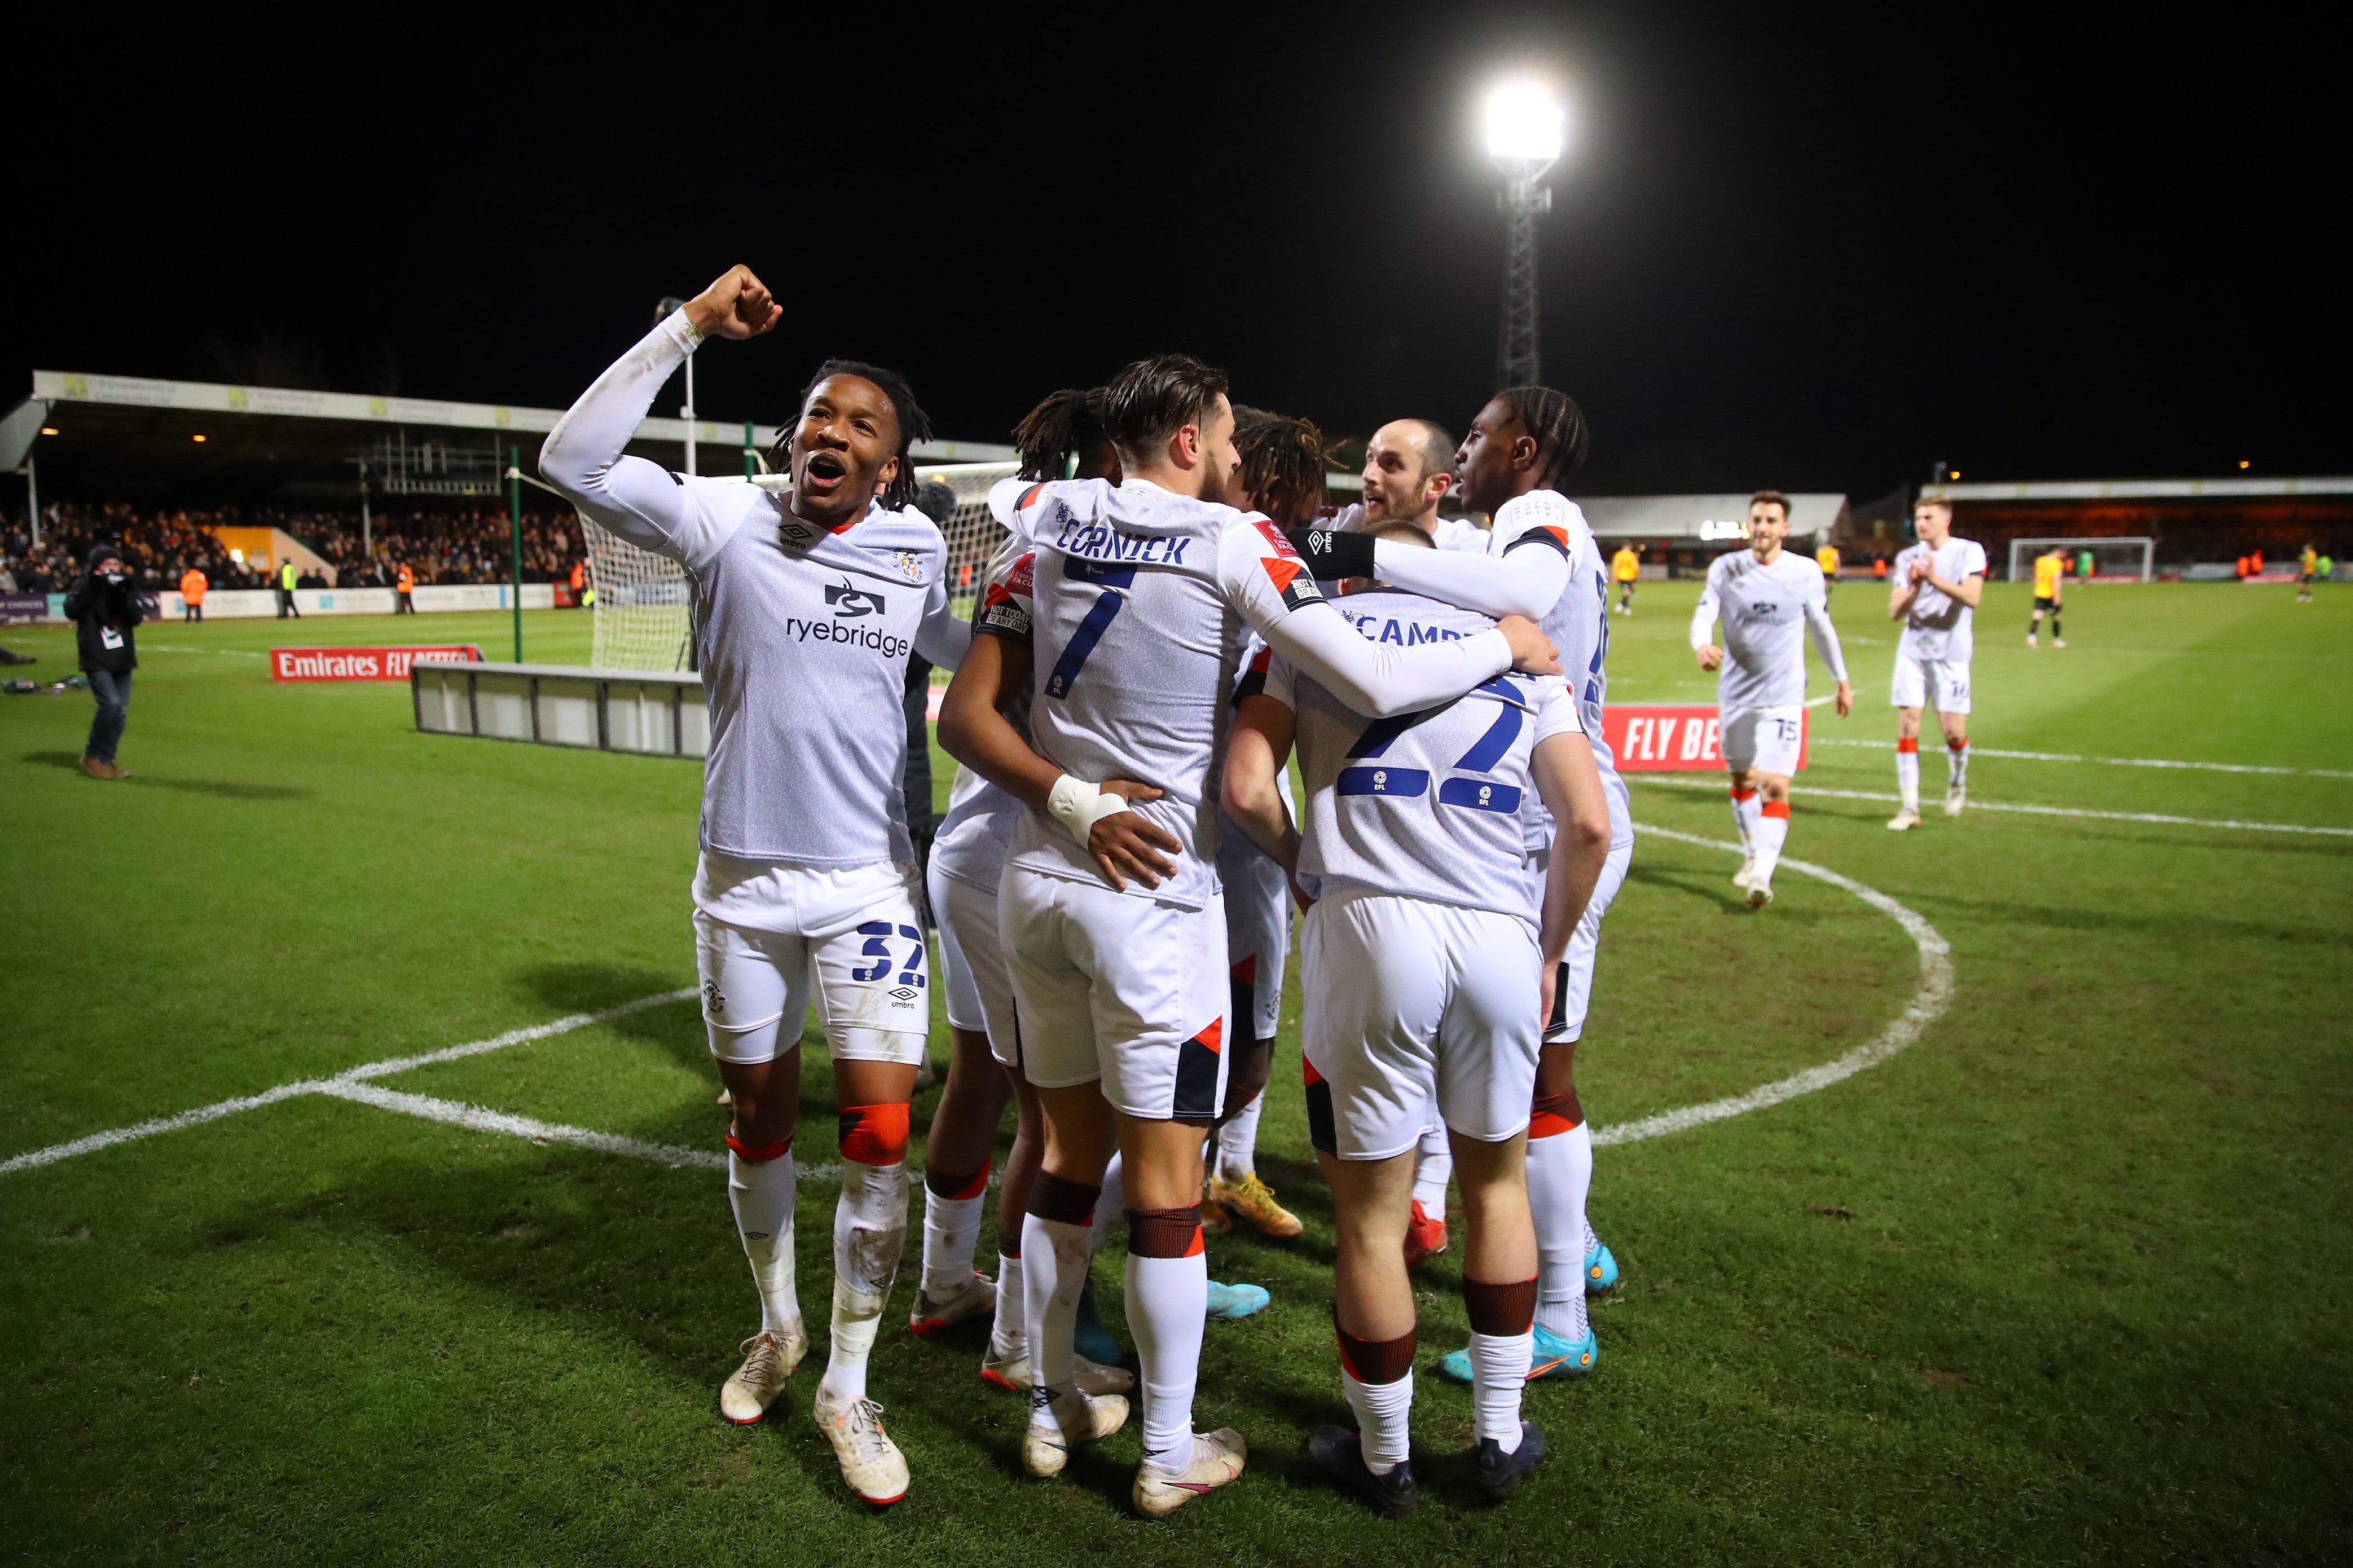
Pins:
x: 2307, y: 566
x: 1827, y: 558
x: 2050, y: 569
x: 1625, y: 570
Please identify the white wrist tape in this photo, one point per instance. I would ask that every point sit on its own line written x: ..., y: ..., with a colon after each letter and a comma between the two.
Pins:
x: 1079, y: 806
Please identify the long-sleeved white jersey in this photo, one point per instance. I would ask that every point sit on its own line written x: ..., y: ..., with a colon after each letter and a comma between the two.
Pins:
x: 1540, y: 562
x: 1135, y: 601
x: 1766, y: 608
x: 1939, y: 625
x: 1429, y: 804
x: 802, y: 633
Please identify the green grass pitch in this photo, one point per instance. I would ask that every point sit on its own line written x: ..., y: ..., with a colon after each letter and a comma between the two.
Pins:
x: 2067, y: 1280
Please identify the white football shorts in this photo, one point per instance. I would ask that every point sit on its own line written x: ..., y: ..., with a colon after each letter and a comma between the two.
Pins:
x: 1258, y: 934
x: 1118, y: 988
x: 1939, y: 683
x: 766, y: 935
x: 1572, y: 991
x: 972, y: 964
x: 1409, y: 1002
x: 1764, y: 739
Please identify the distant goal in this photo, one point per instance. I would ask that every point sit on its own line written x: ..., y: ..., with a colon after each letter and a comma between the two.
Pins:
x: 643, y: 619
x: 2113, y: 560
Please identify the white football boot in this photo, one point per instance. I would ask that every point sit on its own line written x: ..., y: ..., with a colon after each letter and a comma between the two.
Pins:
x: 768, y: 1360
x: 931, y: 1314
x: 1076, y: 1418
x: 1956, y: 798
x: 871, y: 1465
x: 1012, y: 1375
x: 1217, y: 1457
x: 1904, y: 819
x: 1747, y: 869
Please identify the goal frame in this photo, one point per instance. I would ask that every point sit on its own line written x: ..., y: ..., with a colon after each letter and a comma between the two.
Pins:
x: 2022, y: 551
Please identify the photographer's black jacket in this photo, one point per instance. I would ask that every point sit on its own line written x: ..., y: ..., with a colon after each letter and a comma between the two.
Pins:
x: 97, y: 606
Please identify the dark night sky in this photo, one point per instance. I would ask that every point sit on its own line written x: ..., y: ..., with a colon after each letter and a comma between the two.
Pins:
x: 1817, y: 249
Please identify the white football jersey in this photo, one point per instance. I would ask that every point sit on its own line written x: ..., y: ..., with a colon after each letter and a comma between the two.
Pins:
x: 1135, y: 601
x: 803, y: 633
x: 1429, y: 804
x: 1765, y: 611
x: 1939, y: 625
x: 1578, y: 625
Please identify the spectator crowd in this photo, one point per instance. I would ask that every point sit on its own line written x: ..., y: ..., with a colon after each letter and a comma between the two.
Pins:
x: 456, y: 541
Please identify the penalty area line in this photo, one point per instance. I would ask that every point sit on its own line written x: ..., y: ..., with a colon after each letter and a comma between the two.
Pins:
x: 336, y: 1085
x: 1928, y: 1004
x: 2156, y: 816
x: 2109, y: 762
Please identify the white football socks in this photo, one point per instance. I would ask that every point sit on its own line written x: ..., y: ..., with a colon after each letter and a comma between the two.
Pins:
x: 1907, y: 773
x: 1054, y: 1255
x: 1499, y: 1376
x: 1744, y: 818
x: 761, y: 1191
x: 1434, y: 1168
x: 870, y: 1232
x: 1237, y: 1141
x: 1772, y: 831
x: 1167, y: 1305
x: 1560, y: 1175
x: 951, y: 1233
x: 1007, y: 1335
x: 1956, y: 763
x: 1383, y: 1418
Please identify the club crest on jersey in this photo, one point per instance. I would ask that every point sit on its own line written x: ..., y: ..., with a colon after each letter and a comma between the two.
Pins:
x: 850, y: 602
x: 910, y: 565
x: 714, y: 1001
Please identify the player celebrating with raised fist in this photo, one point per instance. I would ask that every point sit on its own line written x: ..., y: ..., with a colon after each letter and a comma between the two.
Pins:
x: 1938, y: 583
x: 1764, y: 595
x: 1125, y: 609
x: 808, y: 601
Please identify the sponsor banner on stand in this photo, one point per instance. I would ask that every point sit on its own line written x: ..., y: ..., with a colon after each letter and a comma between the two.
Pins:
x: 1660, y: 738
x: 25, y: 609
x: 261, y: 604
x: 361, y: 663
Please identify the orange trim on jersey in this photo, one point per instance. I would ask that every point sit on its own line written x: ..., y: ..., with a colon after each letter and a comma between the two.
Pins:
x: 1561, y: 534
x: 1282, y: 572
x: 1247, y: 970
x: 1029, y: 497
x: 1212, y: 1035
x: 1260, y: 664
x: 874, y: 1134
x: 1780, y: 808
x: 1308, y: 1072
x: 761, y: 1153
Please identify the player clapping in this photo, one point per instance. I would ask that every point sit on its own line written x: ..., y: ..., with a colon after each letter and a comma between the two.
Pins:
x: 1766, y: 599
x: 1938, y: 583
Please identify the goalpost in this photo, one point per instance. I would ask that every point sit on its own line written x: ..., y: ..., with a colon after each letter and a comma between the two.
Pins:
x: 642, y: 615
x: 2113, y: 560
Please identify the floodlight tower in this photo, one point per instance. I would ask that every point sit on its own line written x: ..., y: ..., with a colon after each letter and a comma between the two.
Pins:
x: 1525, y: 129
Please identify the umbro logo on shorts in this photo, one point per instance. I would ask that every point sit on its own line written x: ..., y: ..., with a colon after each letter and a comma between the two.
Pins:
x: 905, y: 994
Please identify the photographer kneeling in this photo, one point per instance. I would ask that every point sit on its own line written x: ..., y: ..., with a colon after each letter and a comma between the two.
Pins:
x: 104, y: 610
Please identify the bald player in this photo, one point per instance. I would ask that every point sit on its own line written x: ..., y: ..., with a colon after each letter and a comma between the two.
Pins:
x: 1409, y: 469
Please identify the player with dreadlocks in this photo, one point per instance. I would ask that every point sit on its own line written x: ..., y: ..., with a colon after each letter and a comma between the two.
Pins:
x: 968, y: 862
x: 1281, y: 476
x: 1515, y: 464
x: 808, y: 596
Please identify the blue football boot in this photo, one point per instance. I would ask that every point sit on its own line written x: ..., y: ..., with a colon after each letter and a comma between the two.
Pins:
x: 1554, y: 1357
x: 1231, y: 1301
x: 1600, y: 1270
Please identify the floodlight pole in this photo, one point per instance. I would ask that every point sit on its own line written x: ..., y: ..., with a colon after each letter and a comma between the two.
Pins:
x: 1522, y: 201
x: 514, y: 516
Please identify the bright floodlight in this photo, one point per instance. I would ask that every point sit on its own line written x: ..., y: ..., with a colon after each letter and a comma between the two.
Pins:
x: 1525, y: 122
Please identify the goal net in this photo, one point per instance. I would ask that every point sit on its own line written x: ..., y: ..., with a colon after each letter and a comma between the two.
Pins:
x: 2113, y: 560
x: 642, y: 619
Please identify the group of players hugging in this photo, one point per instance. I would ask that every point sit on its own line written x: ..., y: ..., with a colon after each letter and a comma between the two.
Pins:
x: 1168, y: 626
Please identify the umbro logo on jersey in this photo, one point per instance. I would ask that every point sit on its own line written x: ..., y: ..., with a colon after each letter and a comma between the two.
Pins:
x: 800, y: 535
x: 850, y: 603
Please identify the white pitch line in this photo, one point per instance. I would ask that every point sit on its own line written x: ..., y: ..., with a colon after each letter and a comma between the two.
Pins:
x: 1928, y: 1005
x: 481, y: 1120
x: 2028, y: 810
x: 2110, y: 762
x: 214, y: 1112
x: 171, y: 648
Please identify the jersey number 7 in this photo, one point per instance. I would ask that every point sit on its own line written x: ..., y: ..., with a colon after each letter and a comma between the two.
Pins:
x: 1091, y: 627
